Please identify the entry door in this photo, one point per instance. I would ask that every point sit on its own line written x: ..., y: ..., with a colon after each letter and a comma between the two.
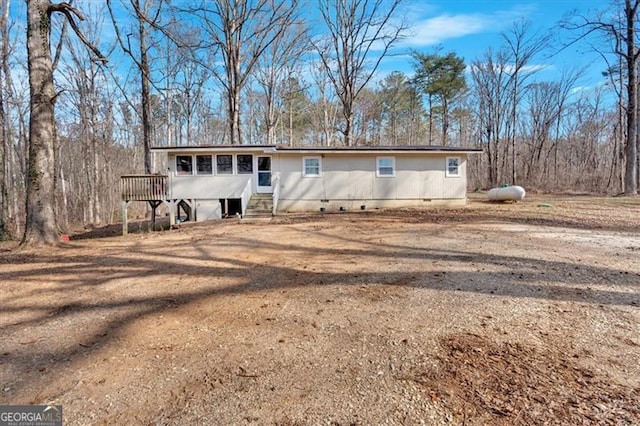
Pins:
x: 264, y: 175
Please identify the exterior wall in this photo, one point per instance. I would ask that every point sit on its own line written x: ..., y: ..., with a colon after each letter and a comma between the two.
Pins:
x: 207, y: 186
x: 347, y: 180
x: 350, y: 182
x: 207, y: 190
x: 208, y: 210
x: 199, y: 187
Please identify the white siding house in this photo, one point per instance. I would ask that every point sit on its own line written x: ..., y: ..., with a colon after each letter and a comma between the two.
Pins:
x: 223, y: 179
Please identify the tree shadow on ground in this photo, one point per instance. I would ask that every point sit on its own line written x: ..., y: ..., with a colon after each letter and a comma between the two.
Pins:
x: 78, y: 286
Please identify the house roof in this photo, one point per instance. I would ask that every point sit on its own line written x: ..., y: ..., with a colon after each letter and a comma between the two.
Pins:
x: 321, y: 149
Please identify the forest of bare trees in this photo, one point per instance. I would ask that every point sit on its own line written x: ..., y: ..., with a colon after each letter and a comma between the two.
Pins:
x: 270, y: 72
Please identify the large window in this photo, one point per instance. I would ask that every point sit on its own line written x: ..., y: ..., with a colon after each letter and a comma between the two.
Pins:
x: 385, y: 167
x: 204, y: 165
x: 312, y: 166
x: 244, y: 164
x: 224, y: 164
x: 184, y: 164
x: 453, y: 167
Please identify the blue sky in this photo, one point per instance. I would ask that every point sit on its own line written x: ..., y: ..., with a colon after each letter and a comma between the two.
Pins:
x: 469, y: 27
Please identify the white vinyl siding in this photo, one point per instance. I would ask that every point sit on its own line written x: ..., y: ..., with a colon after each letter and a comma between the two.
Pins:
x: 350, y: 180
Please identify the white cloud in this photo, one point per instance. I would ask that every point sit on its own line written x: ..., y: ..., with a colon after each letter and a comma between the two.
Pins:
x: 438, y: 29
x: 529, y: 69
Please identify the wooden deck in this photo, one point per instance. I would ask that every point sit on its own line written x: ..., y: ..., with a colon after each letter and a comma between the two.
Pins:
x: 144, y: 187
x: 150, y: 188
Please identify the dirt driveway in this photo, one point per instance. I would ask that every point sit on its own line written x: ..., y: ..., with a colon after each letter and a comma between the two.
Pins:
x: 524, y: 313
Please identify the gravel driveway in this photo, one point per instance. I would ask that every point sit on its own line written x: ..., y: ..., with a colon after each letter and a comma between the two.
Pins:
x: 524, y: 313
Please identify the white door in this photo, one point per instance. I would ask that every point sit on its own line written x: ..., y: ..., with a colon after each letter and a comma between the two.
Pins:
x: 264, y: 175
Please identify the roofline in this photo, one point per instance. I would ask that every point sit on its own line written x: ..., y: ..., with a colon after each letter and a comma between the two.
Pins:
x: 381, y: 149
x: 265, y: 148
x: 302, y: 150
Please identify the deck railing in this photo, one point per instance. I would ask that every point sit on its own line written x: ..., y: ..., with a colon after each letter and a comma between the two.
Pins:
x: 246, y: 196
x: 143, y: 187
x: 275, y: 183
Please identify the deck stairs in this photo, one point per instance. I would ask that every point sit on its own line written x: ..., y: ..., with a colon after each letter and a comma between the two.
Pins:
x: 259, y: 209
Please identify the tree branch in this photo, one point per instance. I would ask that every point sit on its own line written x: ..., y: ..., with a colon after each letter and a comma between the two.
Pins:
x: 69, y: 12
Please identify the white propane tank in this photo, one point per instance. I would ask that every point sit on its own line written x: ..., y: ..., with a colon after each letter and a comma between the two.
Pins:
x: 506, y: 193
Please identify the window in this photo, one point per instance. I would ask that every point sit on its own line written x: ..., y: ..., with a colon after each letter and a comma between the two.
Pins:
x: 264, y: 164
x: 386, y: 167
x: 244, y: 164
x: 204, y: 165
x: 453, y: 167
x: 311, y: 167
x: 184, y: 164
x: 264, y: 171
x: 224, y: 164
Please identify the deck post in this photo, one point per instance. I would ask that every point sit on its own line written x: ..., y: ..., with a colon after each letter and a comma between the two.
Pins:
x: 125, y: 223
x: 170, y: 202
x: 172, y: 213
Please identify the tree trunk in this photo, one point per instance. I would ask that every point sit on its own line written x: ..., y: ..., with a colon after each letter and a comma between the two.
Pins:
x: 445, y: 120
x: 146, y: 94
x: 4, y: 171
x: 630, y: 182
x: 41, y: 222
x: 514, y: 123
x: 5, y: 147
x: 430, y: 100
x: 291, y: 122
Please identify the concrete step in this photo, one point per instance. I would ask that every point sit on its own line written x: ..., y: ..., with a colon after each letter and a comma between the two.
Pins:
x: 255, y: 219
x: 260, y: 205
x: 260, y: 208
x: 254, y: 213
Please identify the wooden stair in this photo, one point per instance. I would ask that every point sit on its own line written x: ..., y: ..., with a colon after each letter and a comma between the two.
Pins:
x: 260, y: 208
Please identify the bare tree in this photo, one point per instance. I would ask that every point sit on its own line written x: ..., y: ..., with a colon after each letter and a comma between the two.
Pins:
x: 522, y: 47
x: 548, y: 104
x: 622, y: 34
x: 239, y: 33
x: 361, y: 33
x: 402, y: 110
x: 41, y: 221
x: 182, y: 82
x: 5, y: 150
x: 585, y: 149
x: 326, y: 107
x: 13, y: 114
x: 490, y: 82
x: 147, y: 15
x: 275, y: 69
x: 86, y: 84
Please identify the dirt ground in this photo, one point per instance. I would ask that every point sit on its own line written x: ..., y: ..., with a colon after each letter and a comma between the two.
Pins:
x: 504, y: 314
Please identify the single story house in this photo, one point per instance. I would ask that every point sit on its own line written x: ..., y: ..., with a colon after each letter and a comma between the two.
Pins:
x: 215, y: 181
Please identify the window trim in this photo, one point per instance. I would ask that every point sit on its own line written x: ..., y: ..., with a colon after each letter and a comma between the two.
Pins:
x: 393, y: 167
x: 237, y: 169
x: 304, y: 166
x: 231, y: 172
x: 181, y: 173
x: 447, y: 173
x: 198, y: 172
